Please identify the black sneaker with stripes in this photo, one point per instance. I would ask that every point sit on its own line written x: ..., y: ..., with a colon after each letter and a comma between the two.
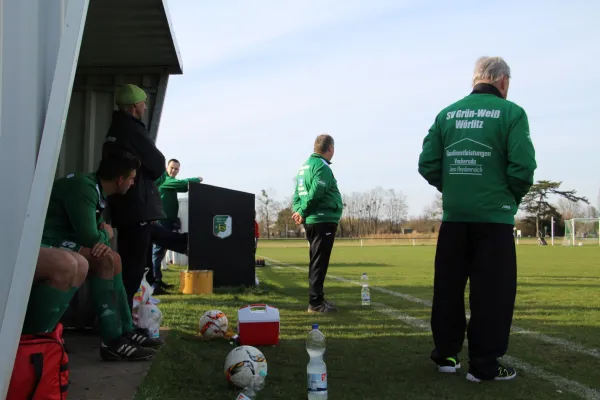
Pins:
x: 124, y: 349
x: 141, y: 337
x: 448, y: 365
x: 502, y: 374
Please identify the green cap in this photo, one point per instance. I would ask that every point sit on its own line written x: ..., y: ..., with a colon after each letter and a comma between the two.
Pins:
x: 129, y: 94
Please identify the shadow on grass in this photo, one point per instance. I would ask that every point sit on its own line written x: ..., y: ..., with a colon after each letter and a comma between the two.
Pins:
x: 553, y: 285
x: 561, y: 278
x: 361, y: 365
x: 360, y: 264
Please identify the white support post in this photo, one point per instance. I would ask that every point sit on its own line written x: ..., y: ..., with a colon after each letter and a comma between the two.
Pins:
x: 43, y: 176
x: 1, y: 58
x: 573, y: 234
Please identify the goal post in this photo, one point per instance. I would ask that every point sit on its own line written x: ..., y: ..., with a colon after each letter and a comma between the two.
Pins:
x: 580, y: 231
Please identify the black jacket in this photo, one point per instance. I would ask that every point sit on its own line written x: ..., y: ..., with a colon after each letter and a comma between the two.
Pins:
x: 142, y: 201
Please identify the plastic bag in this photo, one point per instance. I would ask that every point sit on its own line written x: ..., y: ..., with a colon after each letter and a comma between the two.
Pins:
x: 144, y: 292
x: 144, y: 297
x: 150, y: 317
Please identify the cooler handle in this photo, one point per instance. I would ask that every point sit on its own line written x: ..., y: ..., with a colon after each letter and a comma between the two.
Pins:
x: 253, y: 307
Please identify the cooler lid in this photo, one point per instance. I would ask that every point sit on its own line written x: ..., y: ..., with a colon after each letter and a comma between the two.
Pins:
x: 258, y: 313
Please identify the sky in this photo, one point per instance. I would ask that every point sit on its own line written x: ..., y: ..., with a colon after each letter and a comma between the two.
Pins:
x: 263, y: 78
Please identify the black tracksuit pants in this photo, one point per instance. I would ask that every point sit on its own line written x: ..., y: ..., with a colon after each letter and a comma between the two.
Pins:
x: 483, y: 253
x: 133, y: 243
x: 320, y: 237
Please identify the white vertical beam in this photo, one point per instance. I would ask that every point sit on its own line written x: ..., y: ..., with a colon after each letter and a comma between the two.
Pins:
x: 47, y: 157
x: 23, y: 109
x: 1, y: 63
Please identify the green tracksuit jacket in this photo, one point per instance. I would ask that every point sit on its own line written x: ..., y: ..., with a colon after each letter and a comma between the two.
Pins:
x: 479, y: 155
x: 74, y: 213
x: 168, y: 188
x: 317, y: 197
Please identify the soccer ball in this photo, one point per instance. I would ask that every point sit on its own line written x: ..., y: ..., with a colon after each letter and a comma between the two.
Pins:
x: 213, y: 324
x: 243, y: 364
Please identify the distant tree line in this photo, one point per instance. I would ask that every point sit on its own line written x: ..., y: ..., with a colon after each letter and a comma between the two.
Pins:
x: 380, y: 212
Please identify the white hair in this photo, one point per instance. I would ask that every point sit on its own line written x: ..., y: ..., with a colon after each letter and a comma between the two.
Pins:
x: 490, y: 69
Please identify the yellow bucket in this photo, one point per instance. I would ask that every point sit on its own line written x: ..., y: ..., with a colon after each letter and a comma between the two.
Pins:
x: 196, y: 282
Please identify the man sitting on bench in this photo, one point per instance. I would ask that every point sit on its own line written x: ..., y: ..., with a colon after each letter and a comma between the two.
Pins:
x: 74, y: 222
x: 58, y: 275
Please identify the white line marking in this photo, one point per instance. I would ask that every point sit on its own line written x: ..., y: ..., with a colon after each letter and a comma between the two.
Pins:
x: 558, y: 381
x: 566, y: 344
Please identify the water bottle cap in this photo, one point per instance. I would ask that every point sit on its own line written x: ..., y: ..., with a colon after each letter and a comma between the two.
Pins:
x: 315, y: 326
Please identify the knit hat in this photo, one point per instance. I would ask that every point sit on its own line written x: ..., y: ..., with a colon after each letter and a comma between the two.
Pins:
x: 129, y: 94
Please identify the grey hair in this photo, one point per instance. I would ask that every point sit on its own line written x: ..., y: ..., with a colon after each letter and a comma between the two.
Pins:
x: 490, y: 69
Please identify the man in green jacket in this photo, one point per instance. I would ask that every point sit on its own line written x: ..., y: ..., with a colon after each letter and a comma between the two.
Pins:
x: 317, y: 203
x: 168, y: 186
x: 479, y: 155
x: 74, y: 222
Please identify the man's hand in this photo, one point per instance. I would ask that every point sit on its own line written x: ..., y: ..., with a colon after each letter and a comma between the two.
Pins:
x: 297, y: 218
x: 108, y: 229
x: 200, y: 178
x: 100, y: 250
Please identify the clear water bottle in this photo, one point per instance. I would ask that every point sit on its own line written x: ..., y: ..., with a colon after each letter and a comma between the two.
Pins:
x: 316, y: 370
x: 365, y: 292
x: 250, y: 392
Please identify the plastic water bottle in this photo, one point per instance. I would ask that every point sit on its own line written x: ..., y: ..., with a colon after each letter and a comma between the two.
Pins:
x: 250, y: 392
x: 316, y: 370
x: 365, y: 293
x: 154, y: 321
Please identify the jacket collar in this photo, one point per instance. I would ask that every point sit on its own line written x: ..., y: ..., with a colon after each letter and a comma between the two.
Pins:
x: 486, y: 88
x: 317, y: 155
x: 126, y: 116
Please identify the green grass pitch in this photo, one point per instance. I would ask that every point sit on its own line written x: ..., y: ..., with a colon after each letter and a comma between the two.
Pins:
x: 382, y: 351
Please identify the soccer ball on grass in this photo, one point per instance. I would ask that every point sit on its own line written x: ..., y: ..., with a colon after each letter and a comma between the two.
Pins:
x: 213, y: 324
x: 244, y: 363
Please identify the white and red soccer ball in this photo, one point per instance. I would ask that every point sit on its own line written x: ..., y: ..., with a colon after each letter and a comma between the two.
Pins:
x: 213, y: 324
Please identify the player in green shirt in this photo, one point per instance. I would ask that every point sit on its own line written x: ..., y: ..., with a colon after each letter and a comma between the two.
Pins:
x: 168, y: 186
x: 479, y: 155
x: 74, y: 222
x: 317, y: 203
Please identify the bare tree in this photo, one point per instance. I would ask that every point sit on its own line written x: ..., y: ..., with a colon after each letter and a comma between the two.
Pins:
x: 569, y: 209
x: 268, y: 209
x: 351, y: 212
x: 375, y: 199
x: 434, y: 211
x: 591, y: 212
x: 396, y: 208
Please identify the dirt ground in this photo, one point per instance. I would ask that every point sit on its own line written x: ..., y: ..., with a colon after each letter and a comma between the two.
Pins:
x: 93, y: 379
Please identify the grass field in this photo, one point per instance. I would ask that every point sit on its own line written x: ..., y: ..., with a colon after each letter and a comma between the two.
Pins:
x: 381, y: 352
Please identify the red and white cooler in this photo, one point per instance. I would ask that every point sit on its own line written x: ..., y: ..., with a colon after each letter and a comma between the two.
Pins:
x: 258, y: 325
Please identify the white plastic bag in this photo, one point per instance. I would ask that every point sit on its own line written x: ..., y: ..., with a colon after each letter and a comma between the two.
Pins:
x: 144, y: 292
x: 142, y: 299
x: 150, y: 317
